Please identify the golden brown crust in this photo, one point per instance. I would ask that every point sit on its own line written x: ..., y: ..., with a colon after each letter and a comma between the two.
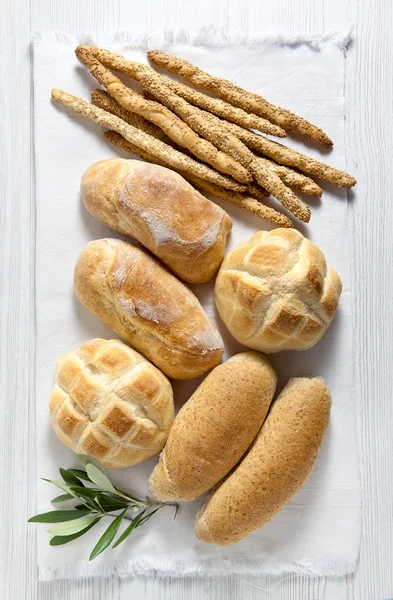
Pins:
x: 289, y: 157
x: 177, y: 160
x: 245, y: 201
x: 274, y: 292
x: 210, y: 127
x: 214, y: 105
x: 274, y: 469
x: 293, y: 178
x: 234, y: 94
x: 157, y: 207
x: 174, y: 127
x: 103, y: 100
x: 215, y: 427
x: 105, y: 403
x: 148, y: 307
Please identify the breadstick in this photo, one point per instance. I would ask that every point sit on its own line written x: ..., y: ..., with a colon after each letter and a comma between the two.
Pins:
x: 210, y: 127
x: 257, y: 191
x: 237, y: 96
x: 164, y: 118
x: 105, y: 101
x: 286, y: 156
x: 174, y: 159
x: 242, y: 200
x: 218, y: 107
x: 293, y: 178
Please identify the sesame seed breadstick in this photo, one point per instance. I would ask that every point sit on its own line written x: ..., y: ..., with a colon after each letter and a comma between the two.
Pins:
x: 257, y: 191
x: 237, y: 96
x: 289, y: 157
x: 242, y: 200
x: 218, y: 107
x: 210, y: 127
x: 104, y: 100
x: 293, y: 178
x: 174, y: 159
x: 164, y: 118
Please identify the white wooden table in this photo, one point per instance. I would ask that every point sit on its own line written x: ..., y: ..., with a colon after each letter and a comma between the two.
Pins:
x: 369, y: 134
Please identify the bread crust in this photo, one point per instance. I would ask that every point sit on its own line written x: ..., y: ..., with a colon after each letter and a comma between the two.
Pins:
x: 274, y: 469
x: 215, y: 427
x: 108, y: 401
x: 161, y: 210
x: 275, y: 292
x: 148, y: 307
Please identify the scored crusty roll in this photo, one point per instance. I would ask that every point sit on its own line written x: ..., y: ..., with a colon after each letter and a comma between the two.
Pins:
x: 162, y: 211
x: 274, y: 469
x: 148, y: 307
x: 215, y: 427
x: 275, y: 292
x: 109, y: 402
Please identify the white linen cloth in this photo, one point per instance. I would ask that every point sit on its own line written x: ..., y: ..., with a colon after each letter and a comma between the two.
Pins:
x: 318, y: 532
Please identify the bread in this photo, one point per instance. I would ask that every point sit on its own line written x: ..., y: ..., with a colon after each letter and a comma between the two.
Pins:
x: 215, y: 427
x: 148, y: 307
x: 111, y: 403
x: 161, y: 210
x: 274, y: 469
x: 274, y: 292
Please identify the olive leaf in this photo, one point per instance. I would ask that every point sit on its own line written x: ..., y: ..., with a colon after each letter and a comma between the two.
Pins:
x: 107, y: 537
x: 59, y: 540
x: 100, y: 479
x: 57, y: 516
x: 62, y: 498
x: 69, y: 478
x: 85, y: 460
x: 70, y: 527
x: 95, y: 499
x: 134, y: 523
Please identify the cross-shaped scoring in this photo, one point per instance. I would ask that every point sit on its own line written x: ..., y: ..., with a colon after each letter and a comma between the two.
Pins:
x: 111, y: 403
x: 275, y: 292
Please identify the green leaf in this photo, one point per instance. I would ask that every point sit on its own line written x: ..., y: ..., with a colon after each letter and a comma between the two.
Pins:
x: 84, y: 491
x: 69, y: 478
x: 80, y: 507
x: 134, y: 523
x: 62, y: 498
x: 79, y: 473
x: 122, y: 494
x: 147, y: 517
x: 59, y: 540
x: 107, y: 536
x: 100, y: 479
x: 72, y: 526
x: 110, y: 504
x: 85, y: 460
x: 57, y: 516
x: 62, y: 486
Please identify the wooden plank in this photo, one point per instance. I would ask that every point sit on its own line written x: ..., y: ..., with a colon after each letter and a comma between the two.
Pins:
x: 370, y: 152
x: 17, y: 541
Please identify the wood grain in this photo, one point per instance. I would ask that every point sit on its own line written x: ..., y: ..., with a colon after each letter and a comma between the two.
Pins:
x: 369, y: 134
x: 17, y: 542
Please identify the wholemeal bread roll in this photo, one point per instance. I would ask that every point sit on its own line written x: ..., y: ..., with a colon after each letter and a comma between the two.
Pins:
x: 274, y: 469
x: 215, y: 427
x: 111, y: 403
x: 161, y: 210
x: 148, y: 307
x: 274, y: 292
